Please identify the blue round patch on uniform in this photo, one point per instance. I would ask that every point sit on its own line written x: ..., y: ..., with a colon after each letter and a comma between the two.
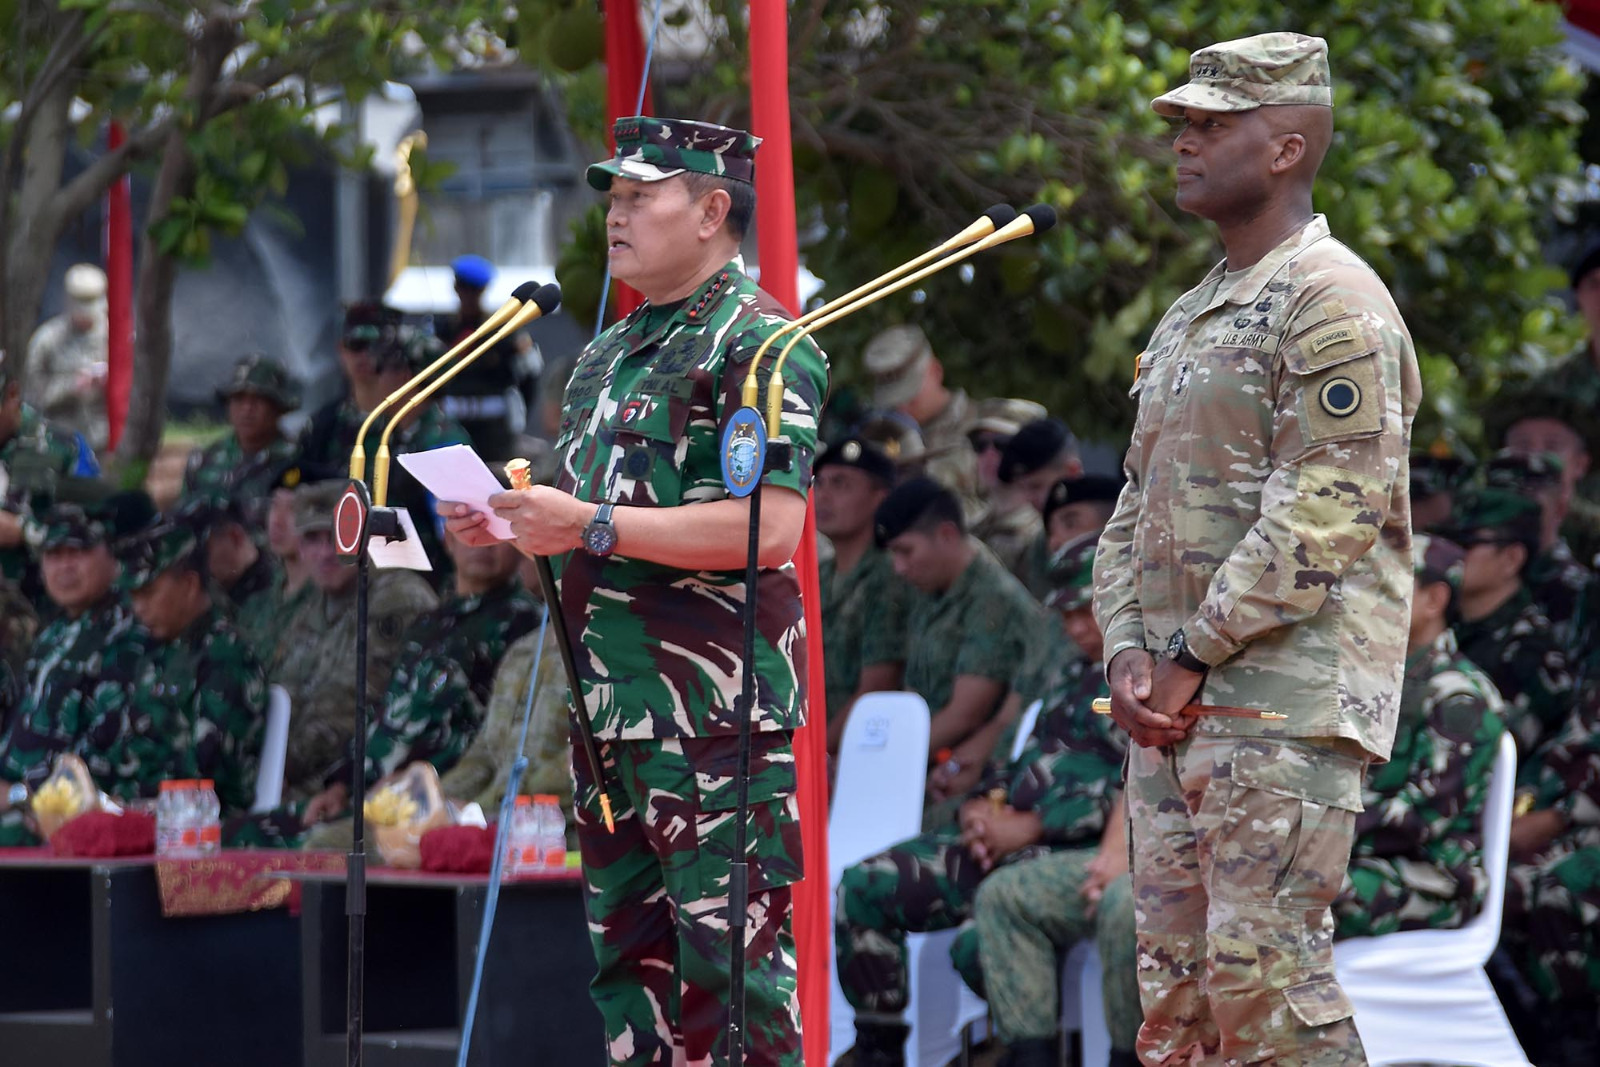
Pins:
x: 744, y: 452
x: 1340, y: 397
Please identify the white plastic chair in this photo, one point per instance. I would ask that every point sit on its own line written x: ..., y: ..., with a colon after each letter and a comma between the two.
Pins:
x: 274, y: 751
x: 1422, y: 995
x: 877, y: 801
x: 1083, y: 1009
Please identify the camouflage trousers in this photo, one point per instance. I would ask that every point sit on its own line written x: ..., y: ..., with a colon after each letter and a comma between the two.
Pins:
x: 1238, y: 848
x: 1382, y: 895
x: 656, y: 892
x: 1552, y: 925
x: 1026, y: 914
x: 918, y: 886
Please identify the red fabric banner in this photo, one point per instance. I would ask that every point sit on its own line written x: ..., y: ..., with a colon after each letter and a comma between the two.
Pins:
x: 624, y: 72
x: 119, y: 297
x: 780, y: 264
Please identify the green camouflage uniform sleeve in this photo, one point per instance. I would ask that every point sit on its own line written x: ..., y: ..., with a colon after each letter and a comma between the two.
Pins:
x: 1565, y: 776
x: 227, y: 716
x: 1070, y: 771
x: 1516, y: 647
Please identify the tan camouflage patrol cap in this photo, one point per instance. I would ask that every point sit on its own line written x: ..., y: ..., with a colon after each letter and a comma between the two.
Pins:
x: 313, y: 505
x: 895, y: 358
x: 1242, y: 75
x: 1005, y: 415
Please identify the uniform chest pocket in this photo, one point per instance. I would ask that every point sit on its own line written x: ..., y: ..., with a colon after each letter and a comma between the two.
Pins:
x: 644, y: 461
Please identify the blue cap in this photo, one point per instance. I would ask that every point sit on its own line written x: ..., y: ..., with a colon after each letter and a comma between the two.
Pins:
x: 473, y: 270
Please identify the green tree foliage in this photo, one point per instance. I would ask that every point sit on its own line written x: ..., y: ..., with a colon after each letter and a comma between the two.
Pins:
x: 218, y: 98
x: 1457, y: 121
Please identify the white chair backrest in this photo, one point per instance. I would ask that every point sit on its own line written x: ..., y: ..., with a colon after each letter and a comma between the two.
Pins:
x: 1030, y: 719
x: 882, y: 773
x: 1496, y: 844
x: 274, y: 751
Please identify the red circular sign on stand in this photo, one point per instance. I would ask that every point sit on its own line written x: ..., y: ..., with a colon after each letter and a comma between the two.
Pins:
x: 350, y: 521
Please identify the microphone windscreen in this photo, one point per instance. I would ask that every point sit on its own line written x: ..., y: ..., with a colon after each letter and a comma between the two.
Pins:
x: 524, y: 292
x: 1000, y: 215
x: 1043, y: 216
x: 548, y: 296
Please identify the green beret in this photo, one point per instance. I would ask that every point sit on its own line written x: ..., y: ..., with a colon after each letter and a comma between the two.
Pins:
x: 907, y: 503
x: 1435, y: 559
x: 1495, y: 515
x: 262, y: 376
x: 151, y: 552
x: 858, y: 453
x: 652, y: 149
x: 1071, y: 574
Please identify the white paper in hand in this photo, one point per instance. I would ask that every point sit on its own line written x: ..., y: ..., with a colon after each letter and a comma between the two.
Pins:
x: 455, y: 472
x: 408, y: 554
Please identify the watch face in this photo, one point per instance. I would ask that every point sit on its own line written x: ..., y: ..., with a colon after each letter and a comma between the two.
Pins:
x: 600, y: 538
x: 1175, y: 645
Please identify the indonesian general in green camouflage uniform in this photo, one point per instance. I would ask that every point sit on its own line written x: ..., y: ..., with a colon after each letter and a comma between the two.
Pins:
x: 1245, y: 567
x: 1054, y: 796
x: 36, y: 456
x: 194, y: 700
x: 92, y: 627
x: 1418, y: 857
x: 657, y: 594
x: 1501, y: 627
x: 245, y: 463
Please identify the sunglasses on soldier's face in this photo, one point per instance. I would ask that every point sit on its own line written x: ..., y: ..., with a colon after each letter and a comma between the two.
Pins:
x: 982, y: 443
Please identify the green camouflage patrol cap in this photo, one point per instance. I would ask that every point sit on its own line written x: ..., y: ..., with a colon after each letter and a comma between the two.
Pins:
x: 1432, y: 475
x: 313, y: 505
x: 1490, y: 515
x: 420, y: 348
x: 652, y: 149
x: 1071, y: 574
x: 1435, y: 559
x: 201, y: 511
x: 1523, y: 472
x: 1242, y: 75
x: 151, y: 552
x: 263, y: 376
x: 88, y: 512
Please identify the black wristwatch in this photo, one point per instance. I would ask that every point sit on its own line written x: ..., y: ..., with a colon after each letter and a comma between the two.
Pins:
x: 600, y: 536
x: 1178, y: 652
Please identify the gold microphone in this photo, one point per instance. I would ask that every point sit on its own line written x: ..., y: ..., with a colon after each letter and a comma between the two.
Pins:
x: 996, y: 217
x: 358, y: 454
x: 544, y: 300
x: 1036, y: 219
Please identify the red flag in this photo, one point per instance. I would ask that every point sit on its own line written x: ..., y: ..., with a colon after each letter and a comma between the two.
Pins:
x: 624, y: 74
x: 780, y: 265
x: 119, y: 298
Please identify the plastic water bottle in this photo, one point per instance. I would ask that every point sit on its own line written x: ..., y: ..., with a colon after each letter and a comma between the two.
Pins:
x: 552, y: 825
x: 208, y: 817
x: 522, y: 843
x: 177, y: 825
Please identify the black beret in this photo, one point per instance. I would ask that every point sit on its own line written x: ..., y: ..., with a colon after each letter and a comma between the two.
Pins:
x: 858, y: 453
x: 1033, y: 447
x: 906, y: 504
x: 1091, y: 488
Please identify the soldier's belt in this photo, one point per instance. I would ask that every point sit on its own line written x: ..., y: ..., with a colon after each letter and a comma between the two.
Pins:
x: 1102, y: 706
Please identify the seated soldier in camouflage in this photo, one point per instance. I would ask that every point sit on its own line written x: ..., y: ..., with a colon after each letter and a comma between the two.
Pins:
x: 1029, y: 911
x: 1055, y: 797
x: 1552, y: 918
x: 1078, y: 506
x: 1417, y: 862
x: 284, y: 543
x: 1435, y: 481
x: 1041, y: 454
x: 1500, y: 627
x: 91, y: 625
x: 1009, y: 524
x: 194, y: 700
x: 247, y: 582
x: 315, y: 662
x: 435, y: 701
x: 19, y: 624
x: 244, y: 464
x: 968, y: 630
x: 863, y: 603
x: 1559, y: 584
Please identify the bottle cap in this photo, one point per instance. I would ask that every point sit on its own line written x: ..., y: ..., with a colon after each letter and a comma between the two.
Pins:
x: 523, y: 800
x: 207, y: 783
x: 545, y: 798
x: 177, y: 783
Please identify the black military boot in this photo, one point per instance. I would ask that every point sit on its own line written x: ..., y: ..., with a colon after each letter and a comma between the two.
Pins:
x: 880, y: 1044
x: 1032, y: 1052
x: 1123, y: 1058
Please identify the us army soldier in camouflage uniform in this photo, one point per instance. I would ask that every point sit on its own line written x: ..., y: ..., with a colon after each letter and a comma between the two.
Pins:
x: 1418, y: 857
x: 91, y: 627
x: 245, y: 463
x: 36, y: 456
x: 1268, y: 455
x: 653, y: 580
x: 441, y: 681
x: 194, y: 700
x: 1056, y: 795
x: 863, y: 604
x: 1499, y: 625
